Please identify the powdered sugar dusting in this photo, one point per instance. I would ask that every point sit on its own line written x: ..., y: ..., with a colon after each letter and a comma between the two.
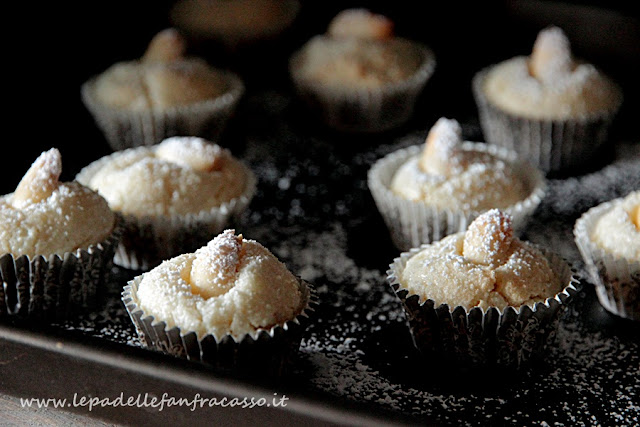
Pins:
x: 551, y: 56
x: 215, y: 267
x: 40, y: 180
x: 312, y: 209
x: 489, y: 237
x: 441, y: 155
x: 192, y: 152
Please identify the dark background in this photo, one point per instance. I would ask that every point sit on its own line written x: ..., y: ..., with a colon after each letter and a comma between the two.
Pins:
x: 58, y: 47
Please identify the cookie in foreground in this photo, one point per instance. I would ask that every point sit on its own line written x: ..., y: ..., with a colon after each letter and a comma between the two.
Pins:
x: 231, y: 305
x: 482, y: 296
x: 57, y: 241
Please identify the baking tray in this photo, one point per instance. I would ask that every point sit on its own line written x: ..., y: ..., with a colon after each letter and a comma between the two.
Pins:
x: 356, y: 364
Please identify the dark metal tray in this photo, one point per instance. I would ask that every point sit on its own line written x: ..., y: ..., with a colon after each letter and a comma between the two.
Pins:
x: 356, y: 363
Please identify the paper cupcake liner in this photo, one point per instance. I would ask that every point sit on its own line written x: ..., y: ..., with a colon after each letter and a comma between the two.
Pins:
x: 364, y: 110
x: 57, y: 287
x: 265, y: 352
x: 552, y: 145
x: 125, y: 128
x: 412, y: 223
x: 147, y: 241
x: 513, y: 337
x: 617, y: 280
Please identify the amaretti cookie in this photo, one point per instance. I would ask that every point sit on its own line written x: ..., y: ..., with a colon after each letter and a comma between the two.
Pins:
x: 57, y: 241
x: 549, y: 107
x: 359, y: 76
x: 427, y: 192
x: 482, y: 296
x: 608, y: 237
x: 231, y: 304
x: 174, y: 196
x: 164, y: 93
x: 234, y: 23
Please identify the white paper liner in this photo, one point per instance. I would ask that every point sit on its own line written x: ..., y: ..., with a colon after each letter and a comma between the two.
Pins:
x: 412, y: 223
x: 513, y: 337
x: 148, y: 240
x: 266, y: 352
x: 617, y: 280
x: 552, y: 145
x: 57, y: 287
x: 125, y: 128
x: 364, y: 110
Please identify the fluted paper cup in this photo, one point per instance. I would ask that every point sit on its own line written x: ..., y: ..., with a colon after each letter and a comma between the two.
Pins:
x: 266, y: 352
x: 616, y: 279
x: 363, y: 109
x: 125, y: 128
x: 57, y: 287
x: 512, y: 337
x: 412, y: 223
x: 552, y: 145
x: 148, y: 240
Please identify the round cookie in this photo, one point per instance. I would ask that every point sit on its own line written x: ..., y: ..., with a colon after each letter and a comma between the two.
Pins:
x: 173, y: 196
x: 486, y: 266
x: 45, y: 216
x: 359, y: 76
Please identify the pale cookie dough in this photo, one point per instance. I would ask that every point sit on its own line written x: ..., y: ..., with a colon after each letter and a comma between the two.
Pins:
x: 486, y: 266
x: 359, y: 50
x: 360, y: 23
x: 181, y: 175
x: 232, y: 286
x: 618, y: 230
x: 550, y: 84
x: 446, y: 175
x: 45, y: 216
x: 162, y: 79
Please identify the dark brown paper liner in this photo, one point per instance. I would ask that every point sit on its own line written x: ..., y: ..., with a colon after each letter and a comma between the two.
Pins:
x: 57, y: 287
x: 552, y: 145
x: 512, y: 337
x: 412, y: 223
x: 267, y: 352
x: 147, y: 241
x: 617, y: 280
x: 125, y: 128
x: 364, y: 110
